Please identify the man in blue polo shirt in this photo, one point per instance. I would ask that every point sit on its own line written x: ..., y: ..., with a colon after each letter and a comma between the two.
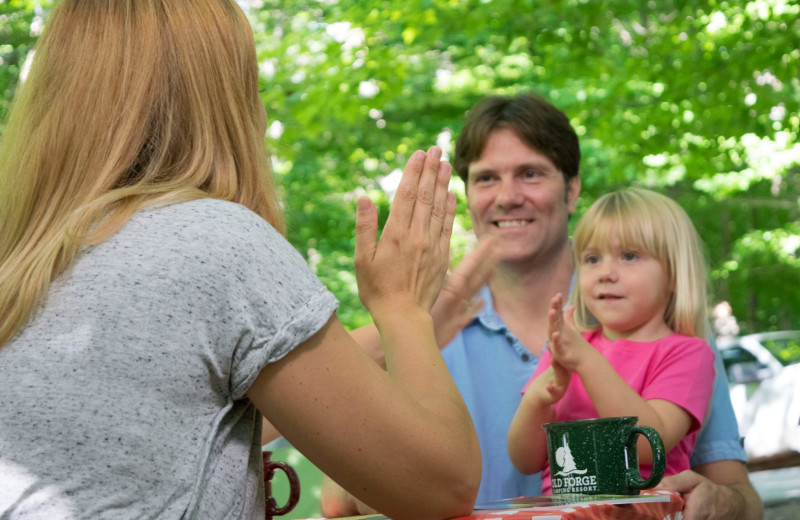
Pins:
x: 519, y: 158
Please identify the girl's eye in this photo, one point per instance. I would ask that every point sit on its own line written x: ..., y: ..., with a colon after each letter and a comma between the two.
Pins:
x: 591, y: 259
x: 629, y: 255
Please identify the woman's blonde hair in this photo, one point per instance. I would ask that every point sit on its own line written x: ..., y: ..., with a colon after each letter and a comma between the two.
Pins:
x: 128, y: 103
x: 647, y: 221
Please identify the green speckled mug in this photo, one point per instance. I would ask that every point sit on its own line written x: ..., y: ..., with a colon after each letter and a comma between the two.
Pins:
x: 598, y: 456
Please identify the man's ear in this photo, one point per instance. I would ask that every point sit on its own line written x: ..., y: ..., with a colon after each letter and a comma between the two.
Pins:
x: 573, y: 191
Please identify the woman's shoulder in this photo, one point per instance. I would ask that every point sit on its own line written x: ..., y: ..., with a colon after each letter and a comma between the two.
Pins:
x: 210, y: 230
x: 205, y: 222
x: 205, y: 213
x: 223, y: 243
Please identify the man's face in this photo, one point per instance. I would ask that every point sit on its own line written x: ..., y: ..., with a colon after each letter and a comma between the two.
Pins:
x: 518, y: 195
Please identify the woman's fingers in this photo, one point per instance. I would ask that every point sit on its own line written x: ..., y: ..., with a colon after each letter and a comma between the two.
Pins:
x: 410, y: 259
x: 366, y: 231
x: 450, y: 215
x: 441, y: 201
x: 427, y: 188
x: 421, y: 200
x: 405, y: 198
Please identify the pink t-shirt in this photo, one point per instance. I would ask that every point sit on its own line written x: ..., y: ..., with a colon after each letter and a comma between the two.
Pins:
x: 678, y: 369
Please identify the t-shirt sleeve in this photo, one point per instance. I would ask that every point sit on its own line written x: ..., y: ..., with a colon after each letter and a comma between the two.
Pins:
x: 683, y: 375
x: 267, y: 301
x: 719, y: 437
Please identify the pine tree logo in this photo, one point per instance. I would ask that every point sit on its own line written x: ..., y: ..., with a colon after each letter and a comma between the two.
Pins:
x: 565, y: 461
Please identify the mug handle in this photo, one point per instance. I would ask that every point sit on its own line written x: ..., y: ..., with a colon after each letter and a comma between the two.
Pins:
x: 635, y: 479
x: 271, y: 506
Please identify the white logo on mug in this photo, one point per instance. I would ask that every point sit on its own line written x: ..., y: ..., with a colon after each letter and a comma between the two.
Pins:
x: 571, y: 477
x: 566, y: 462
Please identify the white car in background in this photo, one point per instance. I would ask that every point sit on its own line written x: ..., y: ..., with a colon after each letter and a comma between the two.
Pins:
x: 765, y: 391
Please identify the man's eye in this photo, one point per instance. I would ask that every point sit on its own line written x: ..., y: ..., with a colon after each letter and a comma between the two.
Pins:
x: 531, y: 174
x: 481, y: 179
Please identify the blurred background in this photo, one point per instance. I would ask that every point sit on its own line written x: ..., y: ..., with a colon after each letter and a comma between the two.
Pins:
x: 696, y: 99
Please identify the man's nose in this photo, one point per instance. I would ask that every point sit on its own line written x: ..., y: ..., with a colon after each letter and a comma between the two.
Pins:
x: 508, y: 194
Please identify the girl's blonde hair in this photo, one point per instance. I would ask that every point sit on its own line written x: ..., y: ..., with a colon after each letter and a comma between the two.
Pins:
x: 128, y: 103
x: 647, y: 221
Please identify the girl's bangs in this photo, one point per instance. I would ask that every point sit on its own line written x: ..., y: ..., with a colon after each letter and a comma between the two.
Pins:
x: 630, y: 231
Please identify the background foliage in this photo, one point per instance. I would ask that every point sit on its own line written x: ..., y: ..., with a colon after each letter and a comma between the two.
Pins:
x: 698, y: 99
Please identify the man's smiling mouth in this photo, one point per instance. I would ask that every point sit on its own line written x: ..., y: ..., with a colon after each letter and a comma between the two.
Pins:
x: 512, y: 223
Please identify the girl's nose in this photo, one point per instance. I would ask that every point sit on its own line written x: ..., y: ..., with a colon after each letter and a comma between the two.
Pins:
x: 607, y: 272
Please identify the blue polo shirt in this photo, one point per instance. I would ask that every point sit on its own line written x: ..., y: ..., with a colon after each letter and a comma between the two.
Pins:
x: 490, y: 366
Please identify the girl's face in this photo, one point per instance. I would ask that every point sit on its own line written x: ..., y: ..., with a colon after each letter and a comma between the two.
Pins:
x: 627, y: 290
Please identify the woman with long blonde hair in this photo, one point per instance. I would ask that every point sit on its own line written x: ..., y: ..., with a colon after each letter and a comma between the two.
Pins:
x: 151, y: 310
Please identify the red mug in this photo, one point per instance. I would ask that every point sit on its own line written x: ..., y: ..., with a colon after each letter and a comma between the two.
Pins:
x: 270, y: 467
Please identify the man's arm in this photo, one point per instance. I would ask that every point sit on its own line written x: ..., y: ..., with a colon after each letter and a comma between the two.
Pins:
x: 717, y: 490
x: 718, y: 487
x: 268, y: 432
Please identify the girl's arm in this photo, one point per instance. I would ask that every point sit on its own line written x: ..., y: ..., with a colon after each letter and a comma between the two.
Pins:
x: 609, y: 392
x: 400, y: 440
x: 612, y: 396
x: 527, y: 442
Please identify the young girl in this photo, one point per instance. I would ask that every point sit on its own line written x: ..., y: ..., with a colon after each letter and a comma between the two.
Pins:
x: 641, y: 305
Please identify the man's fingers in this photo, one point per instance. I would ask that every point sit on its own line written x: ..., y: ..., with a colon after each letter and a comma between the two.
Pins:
x: 335, y: 501
x: 474, y: 270
x: 481, y: 262
x: 682, y: 482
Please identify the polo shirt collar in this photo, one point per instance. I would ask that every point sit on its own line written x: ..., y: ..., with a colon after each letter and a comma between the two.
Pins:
x: 487, y: 315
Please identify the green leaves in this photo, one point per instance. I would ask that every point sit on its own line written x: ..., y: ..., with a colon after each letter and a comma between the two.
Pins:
x: 699, y: 99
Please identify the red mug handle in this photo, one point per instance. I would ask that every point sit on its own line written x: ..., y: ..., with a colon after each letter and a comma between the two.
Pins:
x: 270, y: 467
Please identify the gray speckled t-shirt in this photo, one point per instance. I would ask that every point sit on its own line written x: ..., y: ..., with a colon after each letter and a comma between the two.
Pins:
x: 124, y: 396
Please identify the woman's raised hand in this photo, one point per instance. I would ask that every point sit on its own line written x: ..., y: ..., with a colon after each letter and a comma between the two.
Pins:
x: 406, y: 267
